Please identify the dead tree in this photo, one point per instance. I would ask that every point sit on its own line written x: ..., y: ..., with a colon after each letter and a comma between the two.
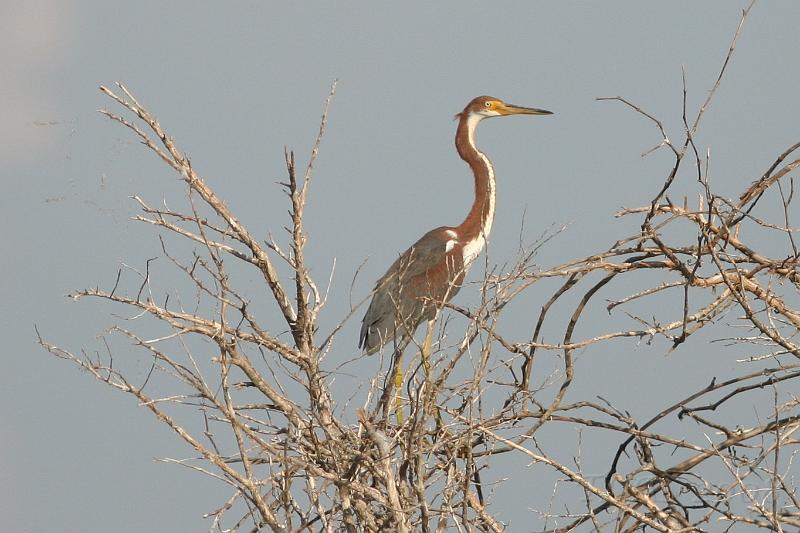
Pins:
x: 257, y: 410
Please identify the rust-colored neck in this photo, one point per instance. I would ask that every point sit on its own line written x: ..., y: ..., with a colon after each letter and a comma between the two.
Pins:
x: 478, y: 223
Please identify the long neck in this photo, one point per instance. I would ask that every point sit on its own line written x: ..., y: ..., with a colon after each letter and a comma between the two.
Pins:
x: 478, y: 223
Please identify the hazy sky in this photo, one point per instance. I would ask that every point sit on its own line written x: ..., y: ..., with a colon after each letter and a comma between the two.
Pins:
x: 234, y: 82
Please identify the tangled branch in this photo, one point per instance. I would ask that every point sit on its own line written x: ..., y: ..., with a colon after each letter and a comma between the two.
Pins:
x: 258, y: 410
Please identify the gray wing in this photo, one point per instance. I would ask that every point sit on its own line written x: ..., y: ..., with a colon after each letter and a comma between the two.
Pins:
x: 388, y: 306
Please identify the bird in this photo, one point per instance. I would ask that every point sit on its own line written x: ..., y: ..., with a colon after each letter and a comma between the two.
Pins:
x: 430, y: 272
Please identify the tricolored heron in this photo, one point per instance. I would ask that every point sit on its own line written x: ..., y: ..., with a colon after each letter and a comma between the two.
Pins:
x: 431, y: 271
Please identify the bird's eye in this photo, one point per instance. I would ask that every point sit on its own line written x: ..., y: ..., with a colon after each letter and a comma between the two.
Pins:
x: 488, y: 104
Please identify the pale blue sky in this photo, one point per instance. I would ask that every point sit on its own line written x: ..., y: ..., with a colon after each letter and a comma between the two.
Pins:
x: 234, y: 82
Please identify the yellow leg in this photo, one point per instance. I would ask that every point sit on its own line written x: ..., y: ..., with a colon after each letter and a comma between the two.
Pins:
x: 425, y: 354
x: 426, y: 350
x: 398, y: 388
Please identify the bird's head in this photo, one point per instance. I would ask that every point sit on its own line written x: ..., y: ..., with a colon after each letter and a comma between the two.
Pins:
x: 488, y: 106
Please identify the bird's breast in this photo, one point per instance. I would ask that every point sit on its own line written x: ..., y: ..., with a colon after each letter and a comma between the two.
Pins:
x: 472, y: 249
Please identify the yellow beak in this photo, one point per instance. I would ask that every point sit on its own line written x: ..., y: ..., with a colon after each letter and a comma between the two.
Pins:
x: 510, y: 109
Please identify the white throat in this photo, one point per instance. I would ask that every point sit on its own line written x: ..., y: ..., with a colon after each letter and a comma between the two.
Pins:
x: 473, y: 248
